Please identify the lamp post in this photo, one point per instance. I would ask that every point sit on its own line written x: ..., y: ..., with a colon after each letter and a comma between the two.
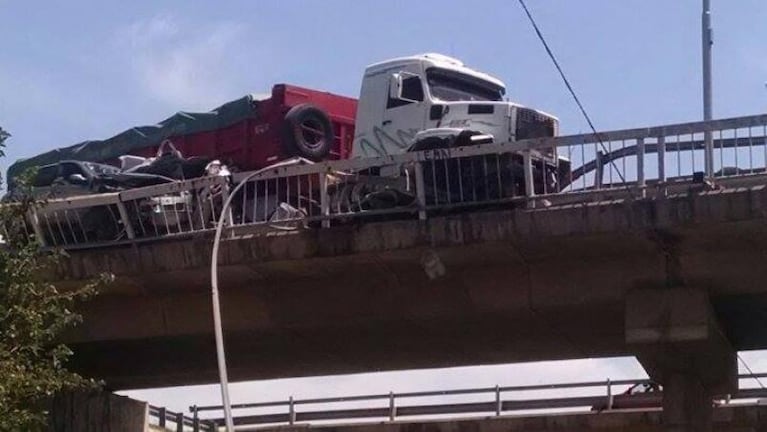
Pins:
x: 218, y: 330
x: 707, y: 40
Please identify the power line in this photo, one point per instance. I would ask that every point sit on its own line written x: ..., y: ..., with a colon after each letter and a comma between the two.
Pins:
x: 567, y: 84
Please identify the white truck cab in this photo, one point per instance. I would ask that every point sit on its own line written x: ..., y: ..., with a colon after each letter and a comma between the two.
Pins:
x: 406, y: 99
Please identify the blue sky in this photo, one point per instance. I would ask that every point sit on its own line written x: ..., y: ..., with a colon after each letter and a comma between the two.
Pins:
x: 77, y: 70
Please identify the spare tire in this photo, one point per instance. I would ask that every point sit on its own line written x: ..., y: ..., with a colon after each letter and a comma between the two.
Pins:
x: 308, y: 132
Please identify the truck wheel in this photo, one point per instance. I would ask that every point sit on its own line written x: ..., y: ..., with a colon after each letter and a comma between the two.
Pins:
x: 308, y: 132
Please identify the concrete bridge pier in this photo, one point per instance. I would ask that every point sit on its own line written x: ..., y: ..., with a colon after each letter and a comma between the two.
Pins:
x: 686, y: 404
x: 678, y: 340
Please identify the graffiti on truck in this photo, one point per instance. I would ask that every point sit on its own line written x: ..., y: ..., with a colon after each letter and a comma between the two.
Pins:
x: 435, y: 154
x: 380, y: 141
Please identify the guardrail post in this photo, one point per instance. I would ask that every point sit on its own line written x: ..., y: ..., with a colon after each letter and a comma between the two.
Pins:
x: 195, y: 419
x: 640, y: 167
x: 527, y: 165
x: 291, y: 411
x: 161, y: 414
x: 498, y: 400
x: 229, y: 221
x: 609, y: 395
x: 392, y: 407
x: 598, y: 172
x: 324, y: 200
x: 420, y: 191
x: 125, y: 220
x: 708, y: 153
x: 662, y: 162
x: 34, y: 220
x: 180, y: 422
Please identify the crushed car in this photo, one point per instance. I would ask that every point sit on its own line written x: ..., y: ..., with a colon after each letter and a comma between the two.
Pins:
x: 71, y: 178
x: 162, y: 213
x: 75, y: 178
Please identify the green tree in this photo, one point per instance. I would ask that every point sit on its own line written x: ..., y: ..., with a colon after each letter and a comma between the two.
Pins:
x: 33, y: 314
x: 4, y: 135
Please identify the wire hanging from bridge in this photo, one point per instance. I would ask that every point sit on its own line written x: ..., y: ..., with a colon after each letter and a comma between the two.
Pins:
x: 569, y: 86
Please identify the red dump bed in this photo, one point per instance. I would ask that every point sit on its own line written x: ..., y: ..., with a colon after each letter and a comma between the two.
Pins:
x: 258, y: 141
x: 247, y: 133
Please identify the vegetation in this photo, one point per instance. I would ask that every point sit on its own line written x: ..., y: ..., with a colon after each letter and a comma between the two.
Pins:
x: 33, y: 314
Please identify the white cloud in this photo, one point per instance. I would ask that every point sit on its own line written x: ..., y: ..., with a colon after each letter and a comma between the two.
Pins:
x: 184, y: 67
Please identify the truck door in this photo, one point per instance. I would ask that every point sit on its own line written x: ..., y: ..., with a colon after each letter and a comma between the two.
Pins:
x: 405, y: 112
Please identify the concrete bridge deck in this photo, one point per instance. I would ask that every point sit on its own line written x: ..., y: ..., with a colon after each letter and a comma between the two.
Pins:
x: 519, y: 285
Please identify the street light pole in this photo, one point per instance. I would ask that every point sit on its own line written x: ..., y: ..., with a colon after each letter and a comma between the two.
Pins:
x: 218, y: 328
x: 707, y: 39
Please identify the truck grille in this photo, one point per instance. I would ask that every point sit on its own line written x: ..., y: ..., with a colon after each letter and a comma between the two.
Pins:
x: 531, y: 124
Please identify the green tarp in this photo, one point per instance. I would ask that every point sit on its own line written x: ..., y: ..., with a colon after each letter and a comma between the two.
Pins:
x: 182, y: 123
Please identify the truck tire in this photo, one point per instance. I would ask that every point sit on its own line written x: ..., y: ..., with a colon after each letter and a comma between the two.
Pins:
x: 308, y: 132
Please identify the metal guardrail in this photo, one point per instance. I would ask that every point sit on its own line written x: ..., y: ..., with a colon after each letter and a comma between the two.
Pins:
x: 497, y: 406
x: 178, y: 422
x: 635, y: 162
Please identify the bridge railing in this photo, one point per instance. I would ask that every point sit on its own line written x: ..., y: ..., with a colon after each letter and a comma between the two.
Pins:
x: 178, y: 421
x: 638, y: 157
x: 162, y: 211
x: 497, y: 401
x: 632, y: 162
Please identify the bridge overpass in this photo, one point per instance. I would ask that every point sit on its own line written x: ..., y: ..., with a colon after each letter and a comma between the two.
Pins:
x: 519, y: 285
x: 644, y: 260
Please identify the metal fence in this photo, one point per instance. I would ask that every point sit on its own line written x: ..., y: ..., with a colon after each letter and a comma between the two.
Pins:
x: 625, y: 163
x: 167, y: 210
x: 497, y: 403
x: 178, y: 422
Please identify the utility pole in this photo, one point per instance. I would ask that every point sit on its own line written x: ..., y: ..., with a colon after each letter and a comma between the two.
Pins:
x: 707, y: 34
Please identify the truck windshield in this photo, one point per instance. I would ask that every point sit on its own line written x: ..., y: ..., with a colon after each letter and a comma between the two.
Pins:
x: 447, y: 85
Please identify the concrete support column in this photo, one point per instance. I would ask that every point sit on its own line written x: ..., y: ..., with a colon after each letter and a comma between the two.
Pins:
x: 687, y: 404
x: 678, y: 340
